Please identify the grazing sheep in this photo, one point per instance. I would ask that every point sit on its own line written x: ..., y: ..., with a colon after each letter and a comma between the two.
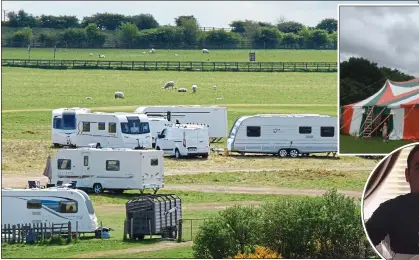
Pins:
x: 176, y: 54
x: 182, y: 90
x: 169, y: 84
x: 101, y: 56
x: 205, y: 51
x: 119, y: 94
x: 91, y: 54
x: 144, y: 52
x: 89, y: 98
x: 214, y: 87
x: 152, y: 50
x: 219, y: 98
x: 194, y: 87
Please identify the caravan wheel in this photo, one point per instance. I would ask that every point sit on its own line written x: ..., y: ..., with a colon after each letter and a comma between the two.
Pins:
x: 294, y: 153
x: 97, y: 188
x: 283, y: 153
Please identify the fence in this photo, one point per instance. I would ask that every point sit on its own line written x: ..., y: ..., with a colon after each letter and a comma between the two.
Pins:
x: 40, y: 232
x: 175, y: 66
x: 190, y: 227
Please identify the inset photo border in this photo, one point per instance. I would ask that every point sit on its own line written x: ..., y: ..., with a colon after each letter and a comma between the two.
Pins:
x: 378, y: 78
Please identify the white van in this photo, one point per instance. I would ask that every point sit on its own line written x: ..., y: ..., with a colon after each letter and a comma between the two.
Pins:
x: 109, y: 169
x: 284, y: 134
x: 184, y: 140
x: 157, y: 124
x: 51, y: 205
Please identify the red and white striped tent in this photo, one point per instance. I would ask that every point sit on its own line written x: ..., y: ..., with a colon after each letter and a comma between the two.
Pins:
x: 396, y: 103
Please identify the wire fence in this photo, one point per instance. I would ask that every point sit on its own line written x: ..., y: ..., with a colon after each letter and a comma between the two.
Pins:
x: 174, y: 65
x: 190, y: 228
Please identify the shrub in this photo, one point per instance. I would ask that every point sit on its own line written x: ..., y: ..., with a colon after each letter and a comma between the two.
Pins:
x: 260, y: 252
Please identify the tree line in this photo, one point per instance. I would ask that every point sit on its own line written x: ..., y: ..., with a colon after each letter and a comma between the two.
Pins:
x: 361, y: 78
x: 143, y: 31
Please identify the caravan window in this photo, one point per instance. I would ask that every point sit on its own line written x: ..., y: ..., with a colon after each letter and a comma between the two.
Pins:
x: 101, y: 126
x: 154, y: 162
x: 112, y: 128
x: 86, y: 126
x: 33, y: 204
x: 69, y: 121
x: 112, y: 165
x: 145, y: 128
x: 57, y: 123
x: 64, y: 164
x: 305, y: 130
x: 253, y: 131
x: 68, y: 206
x: 86, y: 160
x: 327, y: 131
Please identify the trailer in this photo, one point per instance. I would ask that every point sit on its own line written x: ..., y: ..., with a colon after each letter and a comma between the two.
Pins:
x: 109, y: 169
x: 284, y: 134
x: 215, y: 117
x: 153, y: 215
x: 64, y: 126
x: 49, y: 206
x: 113, y: 130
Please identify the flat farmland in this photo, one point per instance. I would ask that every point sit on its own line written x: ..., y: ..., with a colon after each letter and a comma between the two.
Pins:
x: 169, y: 55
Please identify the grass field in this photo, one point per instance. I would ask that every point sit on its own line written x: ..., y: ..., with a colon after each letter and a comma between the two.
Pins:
x: 169, y: 55
x: 375, y: 145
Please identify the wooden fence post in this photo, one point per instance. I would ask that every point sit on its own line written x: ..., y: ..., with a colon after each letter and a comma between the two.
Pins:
x: 191, y: 230
x: 179, y: 238
x: 125, y: 230
x: 132, y: 229
x: 13, y: 234
x: 69, y: 232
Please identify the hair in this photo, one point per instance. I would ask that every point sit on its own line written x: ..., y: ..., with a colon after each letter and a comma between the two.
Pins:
x: 412, y: 152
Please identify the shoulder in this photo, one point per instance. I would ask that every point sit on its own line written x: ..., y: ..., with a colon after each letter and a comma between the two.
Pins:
x: 394, y: 203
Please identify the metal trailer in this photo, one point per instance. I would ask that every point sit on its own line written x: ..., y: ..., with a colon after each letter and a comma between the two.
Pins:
x: 158, y: 214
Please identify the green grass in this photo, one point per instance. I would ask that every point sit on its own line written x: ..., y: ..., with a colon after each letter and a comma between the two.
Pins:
x: 307, y: 179
x: 185, y: 252
x: 36, y: 88
x: 169, y: 55
x: 375, y: 145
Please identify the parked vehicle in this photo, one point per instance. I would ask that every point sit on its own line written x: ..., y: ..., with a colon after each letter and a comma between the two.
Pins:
x: 184, y: 140
x: 51, y: 205
x: 286, y: 135
x: 109, y: 169
x: 214, y: 117
x: 64, y: 126
x: 113, y: 130
x: 157, y: 124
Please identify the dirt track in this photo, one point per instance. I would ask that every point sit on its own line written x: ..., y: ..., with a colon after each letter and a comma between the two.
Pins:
x: 16, y: 181
x: 134, y: 107
x: 148, y: 248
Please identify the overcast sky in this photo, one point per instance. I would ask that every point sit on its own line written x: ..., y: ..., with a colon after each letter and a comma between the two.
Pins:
x: 388, y: 36
x: 209, y: 13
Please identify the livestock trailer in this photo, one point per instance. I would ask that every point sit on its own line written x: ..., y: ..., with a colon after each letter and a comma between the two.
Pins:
x: 284, y: 134
x: 109, y: 169
x: 158, y: 214
x: 215, y: 117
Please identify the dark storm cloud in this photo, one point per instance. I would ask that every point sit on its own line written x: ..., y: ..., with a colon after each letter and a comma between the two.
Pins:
x: 388, y: 36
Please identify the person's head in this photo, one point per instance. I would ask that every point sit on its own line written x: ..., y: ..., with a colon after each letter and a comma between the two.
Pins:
x: 412, y: 170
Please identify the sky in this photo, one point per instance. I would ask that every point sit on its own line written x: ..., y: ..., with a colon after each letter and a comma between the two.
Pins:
x: 209, y: 13
x: 388, y: 36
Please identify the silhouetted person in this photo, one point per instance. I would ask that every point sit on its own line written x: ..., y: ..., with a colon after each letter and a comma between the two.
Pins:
x: 399, y: 217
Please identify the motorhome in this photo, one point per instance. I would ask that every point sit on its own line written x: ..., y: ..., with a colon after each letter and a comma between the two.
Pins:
x: 63, y: 125
x: 184, y: 140
x: 215, y: 117
x: 113, y: 130
x: 109, y: 169
x: 53, y: 205
x: 284, y: 134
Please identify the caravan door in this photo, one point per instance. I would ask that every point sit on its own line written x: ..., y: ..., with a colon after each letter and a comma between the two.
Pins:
x: 85, y: 175
x: 152, y: 171
x: 34, y: 207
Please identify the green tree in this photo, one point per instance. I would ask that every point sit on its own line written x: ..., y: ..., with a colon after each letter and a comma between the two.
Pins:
x: 94, y: 37
x: 48, y: 39
x: 289, y: 40
x: 268, y: 37
x: 191, y: 32
x: 333, y: 37
x: 129, y: 34
x: 290, y: 27
x: 328, y: 24
x: 144, y: 21
x: 179, y: 21
x: 219, y: 37
x: 320, y: 38
x: 73, y: 38
x: 20, y: 38
x: 109, y: 21
x: 21, y: 19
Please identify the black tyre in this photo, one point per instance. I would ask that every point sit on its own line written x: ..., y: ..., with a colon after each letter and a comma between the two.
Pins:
x: 97, y: 188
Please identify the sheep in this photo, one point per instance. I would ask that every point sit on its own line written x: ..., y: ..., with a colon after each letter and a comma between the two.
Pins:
x: 119, y: 94
x: 205, y: 51
x: 91, y: 54
x: 194, y: 87
x: 214, y: 87
x: 88, y: 97
x: 176, y: 54
x: 144, y: 52
x: 101, y: 56
x: 169, y: 84
x: 182, y: 90
x: 152, y: 50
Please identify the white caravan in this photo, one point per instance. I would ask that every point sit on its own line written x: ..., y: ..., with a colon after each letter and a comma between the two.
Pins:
x: 109, y: 169
x: 157, y: 124
x: 54, y: 205
x: 184, y: 140
x: 113, y: 130
x: 64, y: 124
x: 214, y: 117
x: 285, y: 135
